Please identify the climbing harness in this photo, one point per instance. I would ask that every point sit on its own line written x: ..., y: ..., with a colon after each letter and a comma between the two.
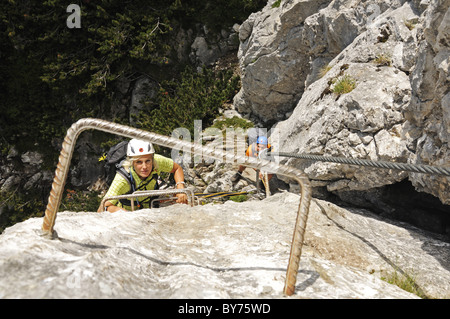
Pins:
x: 129, y: 178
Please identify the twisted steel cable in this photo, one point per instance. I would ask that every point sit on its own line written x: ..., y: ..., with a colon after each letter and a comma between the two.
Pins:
x: 418, y: 168
x: 188, y: 192
x: 81, y: 125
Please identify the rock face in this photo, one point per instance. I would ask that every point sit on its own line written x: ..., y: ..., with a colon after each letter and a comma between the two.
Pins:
x: 273, y: 65
x: 429, y: 110
x: 230, y: 250
x: 397, y: 55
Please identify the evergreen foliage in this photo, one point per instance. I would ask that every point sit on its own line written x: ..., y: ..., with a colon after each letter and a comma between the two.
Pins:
x: 53, y: 75
x: 234, y: 122
x: 17, y: 207
x: 197, y: 97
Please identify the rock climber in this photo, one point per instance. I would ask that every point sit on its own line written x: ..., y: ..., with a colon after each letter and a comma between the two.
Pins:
x: 253, y: 151
x: 138, y: 172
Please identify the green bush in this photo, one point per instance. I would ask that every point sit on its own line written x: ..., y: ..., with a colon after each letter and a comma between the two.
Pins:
x: 276, y: 4
x: 198, y: 96
x: 16, y: 207
x: 76, y: 201
x: 53, y: 75
x: 234, y: 122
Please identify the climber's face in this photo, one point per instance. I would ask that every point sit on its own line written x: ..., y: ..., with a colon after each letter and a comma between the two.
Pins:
x: 260, y: 147
x: 143, y: 165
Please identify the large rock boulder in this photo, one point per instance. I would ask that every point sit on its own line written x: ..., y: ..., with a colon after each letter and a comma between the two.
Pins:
x: 233, y: 250
x: 283, y: 48
x: 429, y: 110
x: 272, y: 60
x: 397, y: 55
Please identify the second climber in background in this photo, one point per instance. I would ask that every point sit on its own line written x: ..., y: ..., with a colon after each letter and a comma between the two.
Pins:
x: 253, y: 151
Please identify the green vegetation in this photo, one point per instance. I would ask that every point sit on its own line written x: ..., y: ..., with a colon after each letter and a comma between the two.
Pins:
x: 382, y: 60
x: 53, y: 75
x: 234, y: 122
x: 78, y: 201
x: 410, y: 24
x: 343, y: 84
x: 276, y: 4
x: 404, y: 281
x: 17, y: 207
x: 197, y: 97
x: 239, y: 198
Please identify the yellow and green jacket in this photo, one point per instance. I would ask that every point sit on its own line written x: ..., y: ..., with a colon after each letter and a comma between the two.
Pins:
x: 129, y: 182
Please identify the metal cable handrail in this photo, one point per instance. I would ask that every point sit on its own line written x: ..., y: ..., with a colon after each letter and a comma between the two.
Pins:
x: 187, y: 191
x: 418, y: 168
x: 171, y: 198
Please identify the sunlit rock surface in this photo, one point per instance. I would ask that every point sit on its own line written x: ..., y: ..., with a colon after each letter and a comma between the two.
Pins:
x: 397, y: 52
x: 230, y: 250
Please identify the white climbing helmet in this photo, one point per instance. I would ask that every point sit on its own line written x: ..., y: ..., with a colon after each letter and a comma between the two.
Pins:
x: 138, y: 148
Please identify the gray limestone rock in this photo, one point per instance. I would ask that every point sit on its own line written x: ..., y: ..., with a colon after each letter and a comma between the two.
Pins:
x: 230, y: 250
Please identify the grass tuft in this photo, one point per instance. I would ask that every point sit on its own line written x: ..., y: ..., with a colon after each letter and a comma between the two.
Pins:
x: 382, y: 60
x: 344, y: 84
x: 404, y: 281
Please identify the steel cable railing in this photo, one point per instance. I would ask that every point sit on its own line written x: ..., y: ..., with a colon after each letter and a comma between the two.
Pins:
x: 189, y: 193
x: 418, y: 168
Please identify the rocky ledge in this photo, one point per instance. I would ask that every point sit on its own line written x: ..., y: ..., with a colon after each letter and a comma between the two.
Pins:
x: 229, y: 250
